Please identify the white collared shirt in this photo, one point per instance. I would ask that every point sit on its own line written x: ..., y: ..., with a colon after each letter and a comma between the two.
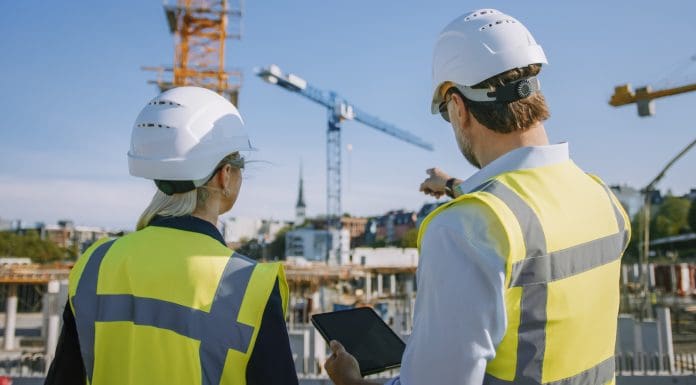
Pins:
x: 459, y: 316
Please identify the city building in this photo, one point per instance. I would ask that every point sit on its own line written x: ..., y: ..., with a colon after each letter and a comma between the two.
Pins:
x: 318, y: 245
x: 237, y: 230
x: 65, y: 234
x: 384, y: 257
x: 393, y: 226
x: 356, y: 227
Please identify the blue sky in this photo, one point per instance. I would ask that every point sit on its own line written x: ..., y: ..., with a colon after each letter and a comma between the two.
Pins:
x: 72, y: 86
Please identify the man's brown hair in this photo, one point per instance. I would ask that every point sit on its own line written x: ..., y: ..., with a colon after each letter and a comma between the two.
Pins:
x: 514, y: 116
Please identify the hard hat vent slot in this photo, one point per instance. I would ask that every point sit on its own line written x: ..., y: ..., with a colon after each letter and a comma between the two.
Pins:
x: 142, y: 125
x: 161, y: 102
x: 498, y: 22
x: 481, y: 13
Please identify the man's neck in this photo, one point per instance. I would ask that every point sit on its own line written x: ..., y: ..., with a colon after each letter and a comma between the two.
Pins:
x: 492, y: 145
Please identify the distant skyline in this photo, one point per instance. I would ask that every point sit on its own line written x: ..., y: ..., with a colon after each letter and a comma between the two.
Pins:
x: 72, y: 87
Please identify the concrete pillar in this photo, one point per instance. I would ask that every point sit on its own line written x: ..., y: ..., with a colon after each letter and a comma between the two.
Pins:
x: 10, y: 317
x: 379, y: 285
x: 685, y: 279
x: 52, y: 321
x: 319, y: 352
x: 368, y: 286
x: 664, y: 333
x: 306, y: 350
x: 392, y: 284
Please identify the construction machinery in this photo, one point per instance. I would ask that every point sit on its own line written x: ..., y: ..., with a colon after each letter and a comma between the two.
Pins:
x: 644, y: 97
x: 339, y: 110
x: 201, y: 29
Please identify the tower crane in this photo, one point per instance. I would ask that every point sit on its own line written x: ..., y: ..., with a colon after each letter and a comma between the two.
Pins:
x: 644, y: 96
x: 201, y: 29
x: 339, y: 110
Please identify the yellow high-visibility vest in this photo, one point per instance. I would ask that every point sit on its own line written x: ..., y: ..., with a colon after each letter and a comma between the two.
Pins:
x: 564, y: 235
x: 167, y: 306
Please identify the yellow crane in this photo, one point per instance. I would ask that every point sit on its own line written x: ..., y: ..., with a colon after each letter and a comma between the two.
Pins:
x: 644, y: 96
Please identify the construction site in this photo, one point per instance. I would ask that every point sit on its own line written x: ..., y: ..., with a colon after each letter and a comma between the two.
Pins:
x: 326, y: 269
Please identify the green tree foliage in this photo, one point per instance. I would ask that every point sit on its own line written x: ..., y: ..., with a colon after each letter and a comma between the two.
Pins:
x: 691, y: 217
x: 670, y: 218
x: 30, y: 246
x: 410, y: 238
x: 379, y: 242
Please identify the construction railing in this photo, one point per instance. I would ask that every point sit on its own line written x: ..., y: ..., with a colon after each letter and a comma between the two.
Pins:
x: 629, y: 364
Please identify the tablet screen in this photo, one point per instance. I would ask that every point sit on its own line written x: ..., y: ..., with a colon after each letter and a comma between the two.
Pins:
x: 364, y: 335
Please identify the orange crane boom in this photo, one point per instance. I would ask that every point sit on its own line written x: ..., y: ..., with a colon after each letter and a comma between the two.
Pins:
x: 644, y: 96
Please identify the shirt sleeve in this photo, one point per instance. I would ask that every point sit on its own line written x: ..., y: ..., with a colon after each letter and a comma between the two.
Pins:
x: 459, y: 315
x: 67, y: 367
x: 271, y: 361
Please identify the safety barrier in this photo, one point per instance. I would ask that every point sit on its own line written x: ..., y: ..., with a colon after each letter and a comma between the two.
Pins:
x: 25, y: 365
x: 640, y: 364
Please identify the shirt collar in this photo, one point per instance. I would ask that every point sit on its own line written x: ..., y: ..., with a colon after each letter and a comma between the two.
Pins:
x: 189, y: 223
x: 517, y: 159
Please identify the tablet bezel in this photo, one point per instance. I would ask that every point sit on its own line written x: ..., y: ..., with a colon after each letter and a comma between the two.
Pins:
x: 367, y: 371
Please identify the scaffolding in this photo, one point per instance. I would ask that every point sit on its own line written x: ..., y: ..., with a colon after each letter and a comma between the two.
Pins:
x: 201, y: 29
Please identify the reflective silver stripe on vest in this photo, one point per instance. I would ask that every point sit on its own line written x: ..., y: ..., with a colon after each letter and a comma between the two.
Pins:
x: 217, y: 330
x: 597, y: 375
x: 535, y: 272
x: 568, y: 262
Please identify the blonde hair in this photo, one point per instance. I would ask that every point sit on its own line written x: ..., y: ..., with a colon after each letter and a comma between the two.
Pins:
x: 178, y: 205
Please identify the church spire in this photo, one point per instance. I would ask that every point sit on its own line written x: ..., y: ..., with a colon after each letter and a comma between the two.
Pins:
x: 300, y: 206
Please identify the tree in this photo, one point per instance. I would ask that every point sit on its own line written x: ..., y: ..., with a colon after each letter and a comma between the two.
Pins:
x: 30, y: 246
x: 670, y: 218
x: 410, y: 238
x: 691, y: 217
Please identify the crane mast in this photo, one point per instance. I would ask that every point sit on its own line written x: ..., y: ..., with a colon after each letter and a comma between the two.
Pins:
x: 338, y: 110
x: 201, y: 29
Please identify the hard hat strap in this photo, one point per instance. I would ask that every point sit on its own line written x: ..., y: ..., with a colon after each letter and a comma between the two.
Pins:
x: 511, y: 92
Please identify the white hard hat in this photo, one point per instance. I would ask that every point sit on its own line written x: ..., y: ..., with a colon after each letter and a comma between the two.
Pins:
x: 182, y: 134
x: 479, y: 45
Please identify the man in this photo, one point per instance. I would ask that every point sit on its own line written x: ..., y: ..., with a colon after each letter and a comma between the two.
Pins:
x: 518, y: 279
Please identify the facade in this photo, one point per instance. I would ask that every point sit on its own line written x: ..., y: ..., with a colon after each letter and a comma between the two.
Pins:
x: 239, y: 229
x: 356, y: 227
x: 316, y: 245
x: 384, y: 257
x: 393, y: 226
x: 65, y: 234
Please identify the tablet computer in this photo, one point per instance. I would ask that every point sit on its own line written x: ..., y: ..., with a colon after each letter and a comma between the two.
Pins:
x: 364, y: 335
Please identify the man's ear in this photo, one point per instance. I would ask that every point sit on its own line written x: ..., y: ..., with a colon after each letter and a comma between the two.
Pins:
x: 462, y: 110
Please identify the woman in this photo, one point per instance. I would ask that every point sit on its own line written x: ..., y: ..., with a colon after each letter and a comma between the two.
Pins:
x: 170, y: 303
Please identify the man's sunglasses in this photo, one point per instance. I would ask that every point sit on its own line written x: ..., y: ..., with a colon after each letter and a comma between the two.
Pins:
x: 443, y: 106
